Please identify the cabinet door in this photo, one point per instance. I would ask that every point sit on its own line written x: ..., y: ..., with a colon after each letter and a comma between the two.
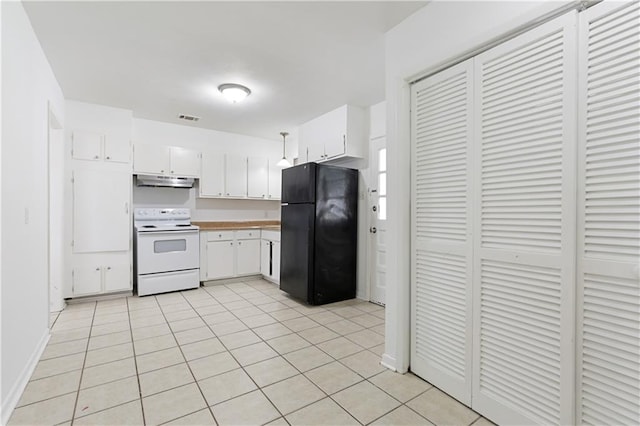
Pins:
x: 257, y: 177
x: 86, y: 145
x: 265, y: 257
x: 184, y: 162
x: 248, y: 257
x: 101, y: 219
x: 236, y: 176
x: 117, y: 149
x: 151, y: 159
x: 315, y: 152
x: 275, y: 261
x: 86, y: 280
x: 117, y: 277
x: 212, y: 174
x: 220, y: 259
x: 335, y: 132
x: 275, y: 181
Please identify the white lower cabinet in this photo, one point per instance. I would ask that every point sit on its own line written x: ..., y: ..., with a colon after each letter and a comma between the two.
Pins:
x: 228, y: 254
x: 270, y: 255
x: 101, y: 273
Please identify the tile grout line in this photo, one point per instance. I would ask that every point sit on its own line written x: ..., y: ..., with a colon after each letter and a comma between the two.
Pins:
x: 84, y: 361
x: 135, y: 362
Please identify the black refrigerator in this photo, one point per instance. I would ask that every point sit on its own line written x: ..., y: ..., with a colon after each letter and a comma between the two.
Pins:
x: 319, y: 231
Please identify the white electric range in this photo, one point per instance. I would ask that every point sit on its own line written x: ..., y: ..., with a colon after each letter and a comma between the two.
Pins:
x: 166, y: 250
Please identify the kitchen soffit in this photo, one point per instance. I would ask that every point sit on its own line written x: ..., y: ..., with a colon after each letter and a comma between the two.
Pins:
x: 159, y: 59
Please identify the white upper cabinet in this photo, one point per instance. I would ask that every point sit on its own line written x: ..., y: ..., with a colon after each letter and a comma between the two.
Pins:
x: 212, y: 174
x: 257, y: 177
x: 184, y: 162
x: 338, y: 134
x: 89, y: 145
x: 151, y: 159
x: 166, y: 160
x: 275, y: 181
x: 236, y: 176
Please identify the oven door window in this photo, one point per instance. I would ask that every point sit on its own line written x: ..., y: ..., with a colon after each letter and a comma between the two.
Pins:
x: 169, y: 246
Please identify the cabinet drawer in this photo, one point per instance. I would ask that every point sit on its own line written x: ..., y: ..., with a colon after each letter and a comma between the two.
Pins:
x: 270, y: 235
x: 219, y: 235
x: 248, y: 234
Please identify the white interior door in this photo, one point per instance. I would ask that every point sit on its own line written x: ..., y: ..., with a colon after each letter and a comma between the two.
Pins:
x: 378, y: 220
x: 608, y: 279
x: 524, y: 226
x: 442, y: 117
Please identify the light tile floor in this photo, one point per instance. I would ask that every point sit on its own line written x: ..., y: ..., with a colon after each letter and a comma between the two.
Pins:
x: 236, y: 354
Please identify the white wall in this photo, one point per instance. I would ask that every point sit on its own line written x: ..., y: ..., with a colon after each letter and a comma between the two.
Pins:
x: 28, y: 84
x: 202, y: 209
x: 436, y: 34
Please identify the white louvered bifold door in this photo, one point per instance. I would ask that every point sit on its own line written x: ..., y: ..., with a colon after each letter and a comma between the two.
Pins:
x: 608, y: 338
x: 441, y: 214
x: 524, y: 244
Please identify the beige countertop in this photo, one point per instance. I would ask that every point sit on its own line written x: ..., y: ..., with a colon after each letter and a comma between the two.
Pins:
x: 232, y: 225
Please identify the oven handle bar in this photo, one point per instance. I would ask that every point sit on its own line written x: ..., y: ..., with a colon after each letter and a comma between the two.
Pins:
x: 188, y: 231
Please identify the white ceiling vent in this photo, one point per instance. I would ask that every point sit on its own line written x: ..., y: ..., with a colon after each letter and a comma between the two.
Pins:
x: 188, y: 117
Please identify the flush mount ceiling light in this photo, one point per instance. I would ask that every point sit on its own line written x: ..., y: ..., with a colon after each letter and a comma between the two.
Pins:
x: 283, y: 161
x: 234, y: 92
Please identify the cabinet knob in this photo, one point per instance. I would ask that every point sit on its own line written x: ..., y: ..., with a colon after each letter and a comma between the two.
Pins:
x: 98, y: 268
x: 96, y: 156
x: 219, y: 193
x: 220, y: 235
x: 108, y: 158
x: 161, y: 171
x: 171, y: 171
x: 239, y: 243
x: 108, y: 268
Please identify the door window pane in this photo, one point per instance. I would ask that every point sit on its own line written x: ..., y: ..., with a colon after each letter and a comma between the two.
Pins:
x: 382, y: 210
x: 382, y: 184
x: 382, y: 160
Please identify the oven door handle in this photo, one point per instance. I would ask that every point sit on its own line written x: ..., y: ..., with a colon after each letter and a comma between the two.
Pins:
x: 190, y: 231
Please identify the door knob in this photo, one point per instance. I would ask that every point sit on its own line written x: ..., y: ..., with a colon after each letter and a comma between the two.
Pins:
x: 373, y: 230
x: 374, y: 208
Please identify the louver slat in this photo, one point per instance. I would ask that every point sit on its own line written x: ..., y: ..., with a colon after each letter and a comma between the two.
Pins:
x: 609, y: 216
x: 441, y: 207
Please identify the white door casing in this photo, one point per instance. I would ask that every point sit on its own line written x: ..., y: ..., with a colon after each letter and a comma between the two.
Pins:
x: 378, y: 220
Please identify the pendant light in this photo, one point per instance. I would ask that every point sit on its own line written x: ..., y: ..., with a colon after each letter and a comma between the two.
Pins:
x: 284, y: 162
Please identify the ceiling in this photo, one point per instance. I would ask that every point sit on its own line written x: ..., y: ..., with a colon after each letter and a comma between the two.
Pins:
x: 161, y: 59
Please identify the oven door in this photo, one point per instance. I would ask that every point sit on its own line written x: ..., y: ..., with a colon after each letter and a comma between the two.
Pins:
x: 165, y: 251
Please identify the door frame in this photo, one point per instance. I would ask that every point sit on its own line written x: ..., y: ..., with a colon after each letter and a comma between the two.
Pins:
x: 371, y: 252
x: 55, y: 141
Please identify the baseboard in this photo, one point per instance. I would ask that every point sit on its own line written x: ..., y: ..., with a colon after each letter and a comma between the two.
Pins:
x: 233, y: 280
x: 13, y: 396
x: 389, y: 362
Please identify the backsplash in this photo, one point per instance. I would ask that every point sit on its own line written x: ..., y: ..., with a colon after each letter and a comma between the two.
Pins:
x: 205, y: 209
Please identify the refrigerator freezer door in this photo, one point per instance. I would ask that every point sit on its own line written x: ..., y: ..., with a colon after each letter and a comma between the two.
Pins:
x: 299, y: 184
x: 296, y: 245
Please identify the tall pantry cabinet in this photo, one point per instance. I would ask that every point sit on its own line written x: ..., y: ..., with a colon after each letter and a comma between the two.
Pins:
x: 525, y: 280
x: 99, y: 197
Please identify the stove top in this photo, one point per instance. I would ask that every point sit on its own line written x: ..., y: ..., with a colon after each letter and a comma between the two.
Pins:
x: 162, y: 219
